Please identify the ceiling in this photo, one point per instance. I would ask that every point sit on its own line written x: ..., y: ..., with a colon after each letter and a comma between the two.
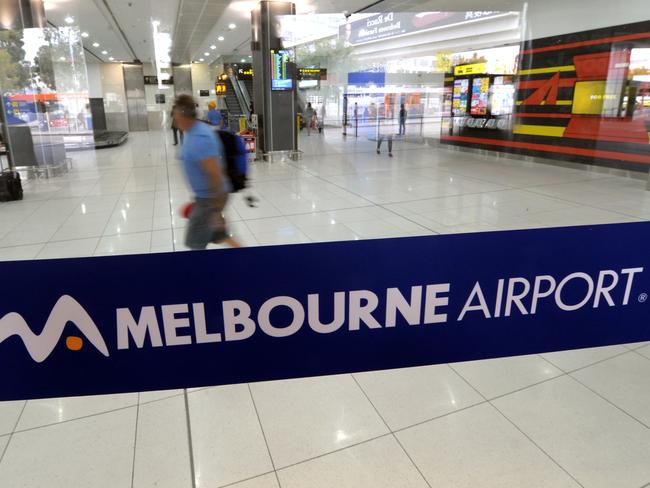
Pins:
x: 124, y: 30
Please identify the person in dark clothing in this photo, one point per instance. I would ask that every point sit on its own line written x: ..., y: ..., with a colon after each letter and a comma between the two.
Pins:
x: 176, y: 130
x: 402, y: 120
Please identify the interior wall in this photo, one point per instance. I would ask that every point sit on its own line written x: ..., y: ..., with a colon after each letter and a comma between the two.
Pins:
x: 203, y: 78
x: 112, y: 82
x: 157, y: 113
x: 94, y: 80
x: 554, y: 17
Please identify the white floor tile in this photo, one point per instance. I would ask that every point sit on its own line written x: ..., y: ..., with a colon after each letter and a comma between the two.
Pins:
x: 125, y: 243
x: 152, y: 396
x: 478, y: 447
x: 69, y: 249
x: 9, y: 413
x: 309, y: 417
x: 95, y: 452
x: 51, y: 411
x: 593, y: 440
x: 380, y: 463
x: 266, y: 481
x: 228, y: 441
x: 579, y: 358
x: 644, y: 351
x: 622, y: 380
x: 495, y: 377
x: 74, y: 231
x: 408, y: 396
x: 162, y: 457
x: 20, y: 253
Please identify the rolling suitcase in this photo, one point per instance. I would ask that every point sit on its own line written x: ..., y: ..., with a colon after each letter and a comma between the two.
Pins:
x: 10, y: 186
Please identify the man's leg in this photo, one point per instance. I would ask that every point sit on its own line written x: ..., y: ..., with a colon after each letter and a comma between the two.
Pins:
x: 390, y: 146
x: 175, y: 131
x: 221, y: 233
x: 380, y: 139
x: 199, y: 231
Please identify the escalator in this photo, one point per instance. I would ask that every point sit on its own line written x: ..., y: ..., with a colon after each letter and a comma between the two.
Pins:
x: 232, y: 101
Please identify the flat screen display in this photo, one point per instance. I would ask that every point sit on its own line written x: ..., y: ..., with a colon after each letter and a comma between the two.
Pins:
x: 304, y: 84
x: 480, y: 95
x: 280, y: 79
x: 459, y: 100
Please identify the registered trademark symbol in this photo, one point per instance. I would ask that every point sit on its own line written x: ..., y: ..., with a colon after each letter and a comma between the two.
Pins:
x: 643, y: 297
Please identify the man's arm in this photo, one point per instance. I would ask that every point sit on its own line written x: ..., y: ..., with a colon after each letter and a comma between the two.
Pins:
x: 211, y: 167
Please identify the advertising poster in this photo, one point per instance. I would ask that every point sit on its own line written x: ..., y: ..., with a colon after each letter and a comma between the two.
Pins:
x: 459, y: 101
x: 480, y: 92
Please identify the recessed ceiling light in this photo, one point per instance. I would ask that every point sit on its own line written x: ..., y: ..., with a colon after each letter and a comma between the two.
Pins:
x: 206, y: 54
x: 201, y: 59
x: 62, y: 58
x: 84, y: 34
x: 104, y: 52
x: 111, y: 59
x: 243, y: 60
x: 69, y: 19
x: 213, y: 47
x: 232, y: 26
x: 95, y: 44
x: 220, y: 38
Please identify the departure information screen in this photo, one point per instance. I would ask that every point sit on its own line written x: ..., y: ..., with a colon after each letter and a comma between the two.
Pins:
x: 280, y: 79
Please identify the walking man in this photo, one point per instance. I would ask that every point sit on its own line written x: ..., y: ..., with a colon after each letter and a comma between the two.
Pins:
x: 205, y: 168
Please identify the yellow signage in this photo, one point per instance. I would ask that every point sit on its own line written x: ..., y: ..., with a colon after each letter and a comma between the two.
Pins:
x: 470, y: 69
x: 221, y: 88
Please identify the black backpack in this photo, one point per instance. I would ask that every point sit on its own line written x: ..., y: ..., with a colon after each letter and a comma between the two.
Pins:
x: 236, y: 159
x: 10, y: 186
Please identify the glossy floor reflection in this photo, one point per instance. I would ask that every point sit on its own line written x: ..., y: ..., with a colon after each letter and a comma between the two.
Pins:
x: 567, y: 419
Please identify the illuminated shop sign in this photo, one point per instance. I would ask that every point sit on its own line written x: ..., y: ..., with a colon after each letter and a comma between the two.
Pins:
x: 221, y: 88
x: 393, y: 24
x: 312, y: 74
x: 470, y: 69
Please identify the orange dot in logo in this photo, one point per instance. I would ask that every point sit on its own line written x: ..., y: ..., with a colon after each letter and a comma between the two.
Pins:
x: 74, y: 343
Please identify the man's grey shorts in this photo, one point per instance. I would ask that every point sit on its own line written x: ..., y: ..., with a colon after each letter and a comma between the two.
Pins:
x: 206, y: 223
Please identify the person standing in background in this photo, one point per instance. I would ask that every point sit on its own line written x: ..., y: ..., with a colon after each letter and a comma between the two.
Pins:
x: 175, y: 129
x: 205, y: 168
x: 402, y: 120
x: 323, y: 113
x: 214, y: 116
x: 385, y: 130
x: 310, y: 115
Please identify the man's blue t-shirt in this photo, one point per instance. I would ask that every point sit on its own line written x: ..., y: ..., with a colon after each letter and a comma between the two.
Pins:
x: 214, y: 117
x: 202, y: 143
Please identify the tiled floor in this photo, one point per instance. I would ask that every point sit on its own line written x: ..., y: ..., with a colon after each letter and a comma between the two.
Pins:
x: 567, y: 419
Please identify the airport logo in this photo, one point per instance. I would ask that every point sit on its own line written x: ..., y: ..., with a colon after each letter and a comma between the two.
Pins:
x: 40, y: 346
x: 433, y: 304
